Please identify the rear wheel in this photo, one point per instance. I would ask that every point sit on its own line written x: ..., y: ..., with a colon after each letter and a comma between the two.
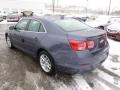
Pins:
x: 46, y: 63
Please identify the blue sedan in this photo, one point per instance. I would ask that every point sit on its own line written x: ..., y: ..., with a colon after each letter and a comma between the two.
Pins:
x: 60, y: 44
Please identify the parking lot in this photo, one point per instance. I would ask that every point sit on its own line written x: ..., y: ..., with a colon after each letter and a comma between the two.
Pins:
x: 19, y: 71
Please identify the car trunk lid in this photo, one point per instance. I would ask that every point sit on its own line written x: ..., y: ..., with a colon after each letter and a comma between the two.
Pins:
x: 98, y: 36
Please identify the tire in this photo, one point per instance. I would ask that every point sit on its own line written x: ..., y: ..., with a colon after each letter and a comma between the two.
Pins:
x: 101, y: 27
x: 46, y: 63
x: 9, y: 43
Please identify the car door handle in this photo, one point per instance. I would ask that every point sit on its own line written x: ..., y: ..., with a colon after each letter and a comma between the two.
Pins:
x: 22, y: 40
x: 35, y: 39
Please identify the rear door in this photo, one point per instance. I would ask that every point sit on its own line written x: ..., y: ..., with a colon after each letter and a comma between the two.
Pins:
x: 33, y: 35
x: 18, y: 31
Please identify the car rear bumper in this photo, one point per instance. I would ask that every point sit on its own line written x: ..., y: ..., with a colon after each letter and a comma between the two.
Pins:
x: 85, y: 63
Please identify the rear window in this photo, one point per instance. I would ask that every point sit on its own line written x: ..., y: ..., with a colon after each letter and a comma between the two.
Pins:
x: 71, y: 25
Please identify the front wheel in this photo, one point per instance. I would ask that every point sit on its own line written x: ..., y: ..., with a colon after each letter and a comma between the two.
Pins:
x: 8, y: 41
x: 46, y: 63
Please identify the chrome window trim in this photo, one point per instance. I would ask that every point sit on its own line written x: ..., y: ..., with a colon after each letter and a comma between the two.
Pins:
x: 32, y: 31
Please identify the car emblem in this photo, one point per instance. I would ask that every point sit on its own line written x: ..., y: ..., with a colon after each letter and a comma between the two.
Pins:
x: 102, y: 40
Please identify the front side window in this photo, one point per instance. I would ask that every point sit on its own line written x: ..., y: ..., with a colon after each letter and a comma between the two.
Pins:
x: 34, y: 26
x: 71, y: 25
x: 22, y: 25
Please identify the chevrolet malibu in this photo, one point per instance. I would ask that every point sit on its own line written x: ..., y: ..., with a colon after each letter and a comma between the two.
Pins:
x: 60, y: 44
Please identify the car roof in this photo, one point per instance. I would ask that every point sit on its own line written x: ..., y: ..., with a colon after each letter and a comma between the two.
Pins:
x: 48, y: 23
x: 50, y: 18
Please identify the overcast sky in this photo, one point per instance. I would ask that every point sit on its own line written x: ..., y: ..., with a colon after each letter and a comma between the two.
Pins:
x: 92, y: 4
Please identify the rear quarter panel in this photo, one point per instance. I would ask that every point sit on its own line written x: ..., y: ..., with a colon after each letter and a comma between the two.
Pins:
x: 56, y: 43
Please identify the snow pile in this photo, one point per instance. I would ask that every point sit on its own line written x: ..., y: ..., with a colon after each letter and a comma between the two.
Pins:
x: 113, y: 62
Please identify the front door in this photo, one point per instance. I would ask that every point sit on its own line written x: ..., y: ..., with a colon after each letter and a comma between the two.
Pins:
x: 33, y: 35
x: 18, y: 31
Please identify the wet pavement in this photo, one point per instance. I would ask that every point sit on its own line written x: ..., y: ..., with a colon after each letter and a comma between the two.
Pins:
x: 19, y: 71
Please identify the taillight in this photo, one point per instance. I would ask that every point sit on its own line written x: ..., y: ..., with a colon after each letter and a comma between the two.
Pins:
x: 90, y: 44
x: 79, y: 45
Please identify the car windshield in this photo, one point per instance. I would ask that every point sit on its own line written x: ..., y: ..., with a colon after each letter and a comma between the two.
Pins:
x: 71, y: 25
x: 114, y: 20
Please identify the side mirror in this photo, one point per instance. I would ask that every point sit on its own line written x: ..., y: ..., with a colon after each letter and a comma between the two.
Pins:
x: 11, y: 27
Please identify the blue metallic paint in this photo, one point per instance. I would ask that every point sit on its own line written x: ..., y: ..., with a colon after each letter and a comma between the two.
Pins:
x: 55, y: 42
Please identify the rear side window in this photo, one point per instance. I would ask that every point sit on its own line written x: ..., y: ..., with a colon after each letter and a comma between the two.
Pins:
x: 34, y: 26
x: 21, y: 25
x: 42, y: 29
x: 71, y: 25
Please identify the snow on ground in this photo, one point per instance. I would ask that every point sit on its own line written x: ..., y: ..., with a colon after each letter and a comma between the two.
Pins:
x: 99, y: 79
x: 76, y: 82
x: 99, y: 85
x: 107, y: 77
x: 111, y: 81
x: 113, y: 61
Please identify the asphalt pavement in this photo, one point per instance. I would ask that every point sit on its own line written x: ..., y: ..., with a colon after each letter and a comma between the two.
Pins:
x: 19, y: 71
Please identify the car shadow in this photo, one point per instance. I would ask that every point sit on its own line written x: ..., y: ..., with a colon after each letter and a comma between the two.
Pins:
x: 35, y: 68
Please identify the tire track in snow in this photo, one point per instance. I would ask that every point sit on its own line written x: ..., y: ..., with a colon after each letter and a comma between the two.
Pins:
x: 59, y: 82
x: 105, y: 80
